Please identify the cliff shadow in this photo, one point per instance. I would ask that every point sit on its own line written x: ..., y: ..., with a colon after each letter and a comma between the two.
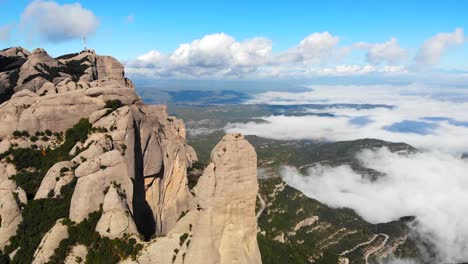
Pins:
x: 142, y: 212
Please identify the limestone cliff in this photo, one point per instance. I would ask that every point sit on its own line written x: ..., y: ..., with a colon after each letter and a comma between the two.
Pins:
x: 85, y: 158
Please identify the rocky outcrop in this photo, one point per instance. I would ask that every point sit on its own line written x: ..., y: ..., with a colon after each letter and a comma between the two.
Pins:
x: 50, y: 242
x: 94, y: 176
x: 222, y: 227
x: 88, y: 80
x: 77, y: 254
x: 58, y: 176
x: 226, y: 195
x: 131, y: 168
x: 11, y: 198
x: 165, y: 157
x: 10, y: 62
x: 38, y: 68
x: 116, y: 219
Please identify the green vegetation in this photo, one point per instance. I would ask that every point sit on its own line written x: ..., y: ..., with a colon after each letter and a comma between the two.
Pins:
x: 4, y: 259
x: 183, y: 238
x: 123, y: 147
x: 75, y: 68
x: 337, y: 229
x: 113, y: 104
x: 99, y: 130
x: 340, y: 229
x: 101, y: 249
x: 33, y: 164
x: 18, y: 134
x: 194, y: 173
x: 39, y: 216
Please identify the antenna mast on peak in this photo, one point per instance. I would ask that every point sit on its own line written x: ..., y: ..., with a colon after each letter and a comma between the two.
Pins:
x: 84, y: 42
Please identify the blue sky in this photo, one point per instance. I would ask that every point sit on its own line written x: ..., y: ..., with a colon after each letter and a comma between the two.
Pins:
x: 128, y: 29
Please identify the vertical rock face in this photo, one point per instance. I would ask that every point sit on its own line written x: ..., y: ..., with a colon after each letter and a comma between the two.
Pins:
x: 11, y: 198
x: 132, y: 167
x: 221, y: 225
x: 165, y: 158
x: 226, y: 195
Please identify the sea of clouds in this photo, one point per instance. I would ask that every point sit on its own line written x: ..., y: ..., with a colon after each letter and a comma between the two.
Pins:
x: 431, y: 184
x: 425, y: 117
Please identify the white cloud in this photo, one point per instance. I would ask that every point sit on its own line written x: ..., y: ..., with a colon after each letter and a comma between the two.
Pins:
x: 215, y: 55
x: 314, y: 49
x: 350, y: 70
x: 414, y: 103
x: 319, y: 54
x: 388, y: 52
x: 431, y: 186
x: 53, y: 22
x: 5, y: 32
x: 434, y: 48
x: 221, y: 56
x: 221, y: 50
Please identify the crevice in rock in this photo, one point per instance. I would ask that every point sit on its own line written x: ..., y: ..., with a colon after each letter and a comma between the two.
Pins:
x: 143, y: 215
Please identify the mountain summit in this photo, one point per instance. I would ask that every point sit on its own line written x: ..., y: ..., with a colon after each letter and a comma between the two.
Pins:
x: 90, y: 173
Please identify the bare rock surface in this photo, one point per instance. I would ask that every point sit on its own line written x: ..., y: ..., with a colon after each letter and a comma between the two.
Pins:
x: 85, y: 80
x: 11, y: 198
x: 50, y: 242
x: 222, y: 227
x: 93, y: 178
x: 116, y: 219
x: 226, y: 194
x: 77, y: 254
x: 132, y: 167
x: 58, y: 176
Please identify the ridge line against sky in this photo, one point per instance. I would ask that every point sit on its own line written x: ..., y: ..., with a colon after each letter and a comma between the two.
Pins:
x: 208, y: 40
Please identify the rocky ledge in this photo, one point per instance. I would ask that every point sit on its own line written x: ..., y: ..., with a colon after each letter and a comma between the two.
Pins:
x: 89, y: 173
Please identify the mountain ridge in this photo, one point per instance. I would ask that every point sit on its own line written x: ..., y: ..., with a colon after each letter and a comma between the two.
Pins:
x: 74, y: 132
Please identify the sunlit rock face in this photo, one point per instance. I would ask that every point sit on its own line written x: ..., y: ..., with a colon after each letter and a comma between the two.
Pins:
x: 220, y: 226
x: 131, y: 168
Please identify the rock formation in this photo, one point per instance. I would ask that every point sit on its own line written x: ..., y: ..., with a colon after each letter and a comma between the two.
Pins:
x: 130, y: 168
x: 50, y: 242
x: 221, y: 226
x: 11, y: 198
x: 226, y: 193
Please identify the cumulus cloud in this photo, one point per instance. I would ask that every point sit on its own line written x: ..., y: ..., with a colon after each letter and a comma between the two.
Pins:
x: 53, y: 22
x: 425, y: 117
x: 431, y: 186
x: 221, y: 56
x: 214, y: 55
x: 314, y: 49
x: 319, y: 54
x: 434, y: 48
x: 5, y: 32
x: 387, y: 52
